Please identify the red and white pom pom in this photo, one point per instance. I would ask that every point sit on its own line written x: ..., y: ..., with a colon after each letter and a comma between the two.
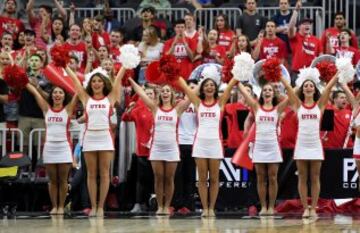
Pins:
x: 243, y: 67
x: 272, y: 70
x: 309, y: 73
x: 129, y: 56
x: 327, y: 70
x: 15, y: 77
x: 60, y: 55
x: 346, y: 70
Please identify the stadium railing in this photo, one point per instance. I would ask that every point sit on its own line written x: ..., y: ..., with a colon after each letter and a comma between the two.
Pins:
x: 206, y: 16
x: 16, y: 138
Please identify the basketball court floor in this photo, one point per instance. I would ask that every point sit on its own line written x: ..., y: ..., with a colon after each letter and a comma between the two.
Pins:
x: 148, y: 223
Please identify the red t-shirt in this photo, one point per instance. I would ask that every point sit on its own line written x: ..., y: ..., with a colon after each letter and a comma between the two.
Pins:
x: 99, y: 40
x: 349, y: 52
x: 13, y: 26
x: 334, y: 38
x: 79, y: 51
x: 35, y: 24
x: 225, y: 39
x: 273, y: 48
x: 288, y: 126
x: 144, y: 121
x: 180, y: 53
x: 115, y: 54
x: 219, y: 51
x: 336, y: 138
x: 235, y: 134
x: 304, y: 49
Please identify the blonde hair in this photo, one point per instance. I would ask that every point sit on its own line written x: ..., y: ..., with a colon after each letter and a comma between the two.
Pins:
x: 173, y: 96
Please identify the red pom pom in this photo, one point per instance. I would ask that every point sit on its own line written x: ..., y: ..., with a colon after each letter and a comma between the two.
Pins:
x: 60, y: 55
x: 153, y: 74
x: 15, y: 77
x: 272, y: 70
x: 327, y: 70
x: 128, y: 74
x: 170, y: 68
x: 226, y: 70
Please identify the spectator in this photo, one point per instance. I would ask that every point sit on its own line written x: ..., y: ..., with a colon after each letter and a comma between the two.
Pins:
x: 110, y: 23
x: 330, y: 37
x: 282, y: 19
x: 44, y: 56
x: 30, y: 115
x: 9, y: 21
x: 87, y: 28
x: 190, y: 27
x: 58, y: 33
x: 99, y: 36
x: 29, y: 48
x: 147, y: 19
x: 7, y: 42
x: 76, y: 46
x: 42, y: 22
x: 150, y: 50
x: 251, y: 22
x: 4, y: 98
x: 270, y: 45
x: 182, y: 48
x: 20, y: 41
x: 304, y: 45
x: 211, y: 51
x: 342, y: 118
x: 242, y: 44
x: 117, y: 37
x: 345, y: 49
x: 225, y: 34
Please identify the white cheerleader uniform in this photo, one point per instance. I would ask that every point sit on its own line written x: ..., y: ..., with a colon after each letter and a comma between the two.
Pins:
x: 266, y: 147
x: 208, y: 139
x: 98, y: 135
x: 164, y: 145
x: 356, y: 150
x: 57, y: 147
x: 308, y: 143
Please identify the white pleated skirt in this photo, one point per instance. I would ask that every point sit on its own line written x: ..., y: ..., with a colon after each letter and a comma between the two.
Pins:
x: 208, y: 149
x: 98, y: 140
x: 57, y: 152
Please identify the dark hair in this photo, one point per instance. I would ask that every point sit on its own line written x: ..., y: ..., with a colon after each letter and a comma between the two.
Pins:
x: 6, y: 33
x: 301, y: 91
x: 67, y: 97
x: 336, y: 94
x: 37, y: 55
x: 179, y: 21
x: 63, y: 32
x: 107, y: 85
x: 150, y: 9
x: 348, y: 31
x: 201, y: 89
x: 275, y: 99
x: 248, y: 46
x: 47, y: 8
x: 226, y: 21
x: 194, y: 81
x: 339, y: 13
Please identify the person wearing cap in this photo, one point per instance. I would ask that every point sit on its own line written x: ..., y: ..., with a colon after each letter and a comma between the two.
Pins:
x: 304, y: 45
x: 331, y: 36
x: 147, y: 16
x: 9, y: 21
x: 43, y: 20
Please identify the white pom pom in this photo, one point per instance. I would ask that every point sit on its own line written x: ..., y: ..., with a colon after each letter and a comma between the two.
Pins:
x: 309, y: 73
x: 243, y: 67
x: 129, y: 56
x: 212, y: 72
x: 98, y: 70
x: 346, y: 70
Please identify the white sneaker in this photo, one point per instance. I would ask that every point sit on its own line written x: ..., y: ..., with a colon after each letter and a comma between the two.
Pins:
x: 136, y: 208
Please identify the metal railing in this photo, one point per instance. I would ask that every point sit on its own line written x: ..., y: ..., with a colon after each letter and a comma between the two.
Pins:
x: 121, y: 14
x: 16, y: 138
x: 348, y: 7
x: 171, y: 14
x: 315, y: 13
x: 127, y: 144
x: 206, y: 16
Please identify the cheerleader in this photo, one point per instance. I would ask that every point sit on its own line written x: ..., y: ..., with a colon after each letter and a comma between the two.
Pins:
x: 164, y: 151
x: 57, y: 151
x: 208, y: 150
x: 266, y: 150
x: 98, y: 98
x: 309, y: 106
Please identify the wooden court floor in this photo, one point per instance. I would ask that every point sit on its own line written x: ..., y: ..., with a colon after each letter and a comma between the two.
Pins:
x: 57, y: 224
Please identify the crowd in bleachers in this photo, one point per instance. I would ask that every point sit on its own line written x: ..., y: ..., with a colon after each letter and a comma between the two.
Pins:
x: 96, y: 42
